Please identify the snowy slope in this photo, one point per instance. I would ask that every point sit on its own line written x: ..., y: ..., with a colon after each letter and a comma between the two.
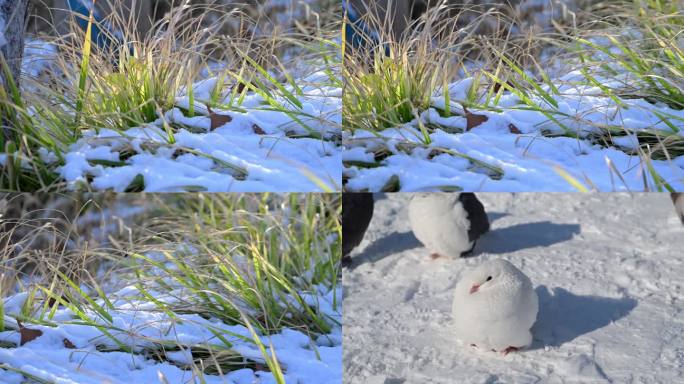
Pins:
x: 608, y: 269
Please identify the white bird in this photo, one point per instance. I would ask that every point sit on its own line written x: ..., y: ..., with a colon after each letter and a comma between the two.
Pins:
x: 495, y: 306
x: 448, y: 224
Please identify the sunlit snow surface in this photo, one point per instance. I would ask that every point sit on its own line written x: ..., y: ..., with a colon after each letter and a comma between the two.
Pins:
x: 293, y: 147
x: 529, y: 160
x: 258, y: 150
x: 607, y: 269
x: 136, y: 322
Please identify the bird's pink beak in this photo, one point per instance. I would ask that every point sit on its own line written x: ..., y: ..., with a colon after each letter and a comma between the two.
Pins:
x: 474, y: 288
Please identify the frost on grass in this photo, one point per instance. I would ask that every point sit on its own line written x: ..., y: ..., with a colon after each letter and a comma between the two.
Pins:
x: 163, y: 344
x: 515, y: 148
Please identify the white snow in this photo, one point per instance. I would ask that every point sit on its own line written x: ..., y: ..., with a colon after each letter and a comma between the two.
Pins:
x: 136, y: 323
x: 258, y: 150
x: 38, y: 56
x: 607, y: 268
x: 530, y: 160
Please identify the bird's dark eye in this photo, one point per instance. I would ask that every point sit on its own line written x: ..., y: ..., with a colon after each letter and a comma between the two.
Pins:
x: 489, y: 278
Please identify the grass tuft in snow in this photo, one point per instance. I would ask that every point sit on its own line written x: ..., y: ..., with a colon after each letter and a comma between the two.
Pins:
x: 136, y: 81
x: 643, y: 41
x: 577, y: 78
x: 389, y: 83
x: 240, y: 260
x: 239, y: 268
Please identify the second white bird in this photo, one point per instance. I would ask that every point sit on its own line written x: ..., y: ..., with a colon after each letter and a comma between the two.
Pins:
x: 495, y: 306
x: 448, y: 224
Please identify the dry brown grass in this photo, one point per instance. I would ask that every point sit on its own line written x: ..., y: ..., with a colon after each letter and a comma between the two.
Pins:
x: 43, y: 234
x: 267, y: 18
x: 389, y: 83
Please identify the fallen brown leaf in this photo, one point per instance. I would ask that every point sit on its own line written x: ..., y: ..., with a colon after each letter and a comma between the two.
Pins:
x: 28, y: 334
x: 257, y: 129
x: 218, y: 120
x: 68, y: 344
x: 434, y: 153
x: 240, y: 86
x: 498, y: 86
x: 513, y: 129
x: 473, y: 120
x: 179, y: 152
x: 53, y: 300
x: 261, y: 367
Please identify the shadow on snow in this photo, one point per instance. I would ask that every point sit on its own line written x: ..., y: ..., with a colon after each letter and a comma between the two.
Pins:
x: 564, y: 316
x: 497, y: 241
x: 526, y: 235
x: 395, y: 242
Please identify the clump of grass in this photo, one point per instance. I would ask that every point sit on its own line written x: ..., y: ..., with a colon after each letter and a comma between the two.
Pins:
x: 393, y: 77
x: 127, y: 83
x: 638, y: 48
x: 390, y: 78
x: 42, y: 234
x: 627, y: 50
x: 633, y: 49
x: 135, y: 79
x: 644, y: 41
x: 23, y: 167
x: 254, y: 260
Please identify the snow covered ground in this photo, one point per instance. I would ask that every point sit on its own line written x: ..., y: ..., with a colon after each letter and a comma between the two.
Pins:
x: 516, y: 145
x: 71, y: 353
x: 258, y: 150
x: 608, y: 270
x: 152, y: 308
x: 253, y: 147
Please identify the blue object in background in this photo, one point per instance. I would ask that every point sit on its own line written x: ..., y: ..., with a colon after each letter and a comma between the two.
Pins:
x: 358, y: 33
x: 102, y: 38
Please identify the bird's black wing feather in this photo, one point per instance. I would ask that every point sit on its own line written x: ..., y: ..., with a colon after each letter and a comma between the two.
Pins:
x: 357, y: 211
x: 479, y: 223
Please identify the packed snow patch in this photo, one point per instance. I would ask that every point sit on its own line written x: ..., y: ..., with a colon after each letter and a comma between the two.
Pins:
x: 607, y: 269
